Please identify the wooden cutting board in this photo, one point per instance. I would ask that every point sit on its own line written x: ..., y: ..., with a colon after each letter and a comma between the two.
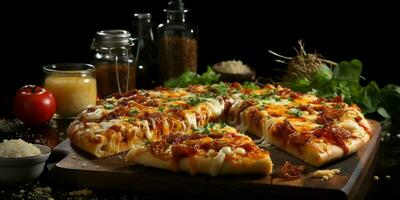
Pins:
x: 80, y: 169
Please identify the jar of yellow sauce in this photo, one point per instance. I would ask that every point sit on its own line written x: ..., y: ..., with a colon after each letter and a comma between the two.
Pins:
x: 73, y: 87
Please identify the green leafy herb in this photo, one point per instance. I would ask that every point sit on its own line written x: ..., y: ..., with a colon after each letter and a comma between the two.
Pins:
x: 244, y: 97
x: 133, y: 112
x: 344, y: 81
x: 109, y: 106
x: 161, y: 109
x: 190, y: 78
x: 131, y: 120
x: 250, y: 85
x: 175, y: 106
x: 194, y: 100
x: 221, y: 89
x: 295, y: 112
x: 202, y: 130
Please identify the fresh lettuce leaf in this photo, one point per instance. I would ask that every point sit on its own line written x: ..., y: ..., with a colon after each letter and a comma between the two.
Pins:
x: 190, y: 78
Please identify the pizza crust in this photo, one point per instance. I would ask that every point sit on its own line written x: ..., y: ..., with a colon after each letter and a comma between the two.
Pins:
x: 213, y: 166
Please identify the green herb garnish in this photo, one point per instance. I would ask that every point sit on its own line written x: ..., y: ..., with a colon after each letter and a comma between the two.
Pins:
x: 109, y: 106
x: 191, y: 78
x: 250, y: 85
x: 133, y: 112
x: 221, y: 89
x: 194, y: 100
x: 295, y: 112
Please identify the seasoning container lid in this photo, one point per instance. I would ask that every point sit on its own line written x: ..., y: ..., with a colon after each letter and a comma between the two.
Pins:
x: 69, y: 68
x: 112, y: 39
x: 176, y: 5
x: 142, y: 15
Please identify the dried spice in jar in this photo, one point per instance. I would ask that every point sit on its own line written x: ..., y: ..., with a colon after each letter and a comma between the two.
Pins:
x: 177, y: 55
x: 114, y: 62
x: 177, y: 43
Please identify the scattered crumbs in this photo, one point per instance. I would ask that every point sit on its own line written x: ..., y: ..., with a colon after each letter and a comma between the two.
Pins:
x: 9, y: 125
x: 376, y: 178
x: 388, y: 134
x: 382, y: 139
x: 74, y: 157
x: 40, y: 193
x: 324, y: 178
x: 387, y: 177
x: 325, y: 174
x: 81, y: 193
x: 84, y: 164
x: 97, y: 166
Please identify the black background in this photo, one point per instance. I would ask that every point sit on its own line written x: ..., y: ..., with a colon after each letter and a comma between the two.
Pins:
x: 34, y: 35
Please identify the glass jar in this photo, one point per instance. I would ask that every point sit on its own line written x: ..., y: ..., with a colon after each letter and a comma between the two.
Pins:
x: 114, y: 62
x: 146, y: 68
x: 177, y: 43
x: 73, y: 87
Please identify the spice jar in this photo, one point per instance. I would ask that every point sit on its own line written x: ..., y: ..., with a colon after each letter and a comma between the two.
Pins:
x: 73, y: 87
x: 114, y: 62
x: 177, y: 43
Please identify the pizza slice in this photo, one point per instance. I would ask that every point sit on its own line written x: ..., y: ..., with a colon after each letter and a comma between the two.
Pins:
x: 117, y: 123
x: 315, y: 130
x: 216, y: 149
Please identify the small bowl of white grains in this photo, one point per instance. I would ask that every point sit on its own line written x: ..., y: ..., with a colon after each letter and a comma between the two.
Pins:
x: 234, y: 71
x: 21, y: 162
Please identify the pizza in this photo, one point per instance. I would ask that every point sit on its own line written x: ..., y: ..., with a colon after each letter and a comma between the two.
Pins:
x: 214, y: 150
x: 165, y: 127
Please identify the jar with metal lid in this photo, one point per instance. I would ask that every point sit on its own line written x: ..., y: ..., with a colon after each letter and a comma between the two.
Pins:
x: 114, y: 62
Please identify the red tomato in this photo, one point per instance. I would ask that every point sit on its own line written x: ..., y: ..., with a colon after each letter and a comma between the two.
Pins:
x: 34, y: 105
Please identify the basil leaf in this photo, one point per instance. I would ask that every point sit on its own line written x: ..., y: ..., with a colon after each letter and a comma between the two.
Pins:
x: 348, y: 71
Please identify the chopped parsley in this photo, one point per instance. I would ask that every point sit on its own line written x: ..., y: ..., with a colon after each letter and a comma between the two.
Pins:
x: 175, y: 106
x: 277, y: 99
x: 131, y: 120
x: 133, y: 112
x: 194, y: 100
x: 296, y: 112
x: 244, y: 97
x: 161, y: 109
x: 109, y: 106
x: 221, y: 89
x: 202, y: 130
x: 250, y: 85
x: 223, y: 124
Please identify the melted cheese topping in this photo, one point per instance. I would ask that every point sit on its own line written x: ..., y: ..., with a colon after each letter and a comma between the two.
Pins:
x: 326, y: 174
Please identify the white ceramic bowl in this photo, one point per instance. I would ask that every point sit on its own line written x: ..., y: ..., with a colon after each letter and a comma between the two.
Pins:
x: 24, y: 169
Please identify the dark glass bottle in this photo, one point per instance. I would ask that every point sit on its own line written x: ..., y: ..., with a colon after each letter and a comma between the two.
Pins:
x: 177, y: 43
x: 146, y: 67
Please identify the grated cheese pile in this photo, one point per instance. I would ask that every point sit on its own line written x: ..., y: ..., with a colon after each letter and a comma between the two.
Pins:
x: 232, y: 67
x: 17, y: 149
